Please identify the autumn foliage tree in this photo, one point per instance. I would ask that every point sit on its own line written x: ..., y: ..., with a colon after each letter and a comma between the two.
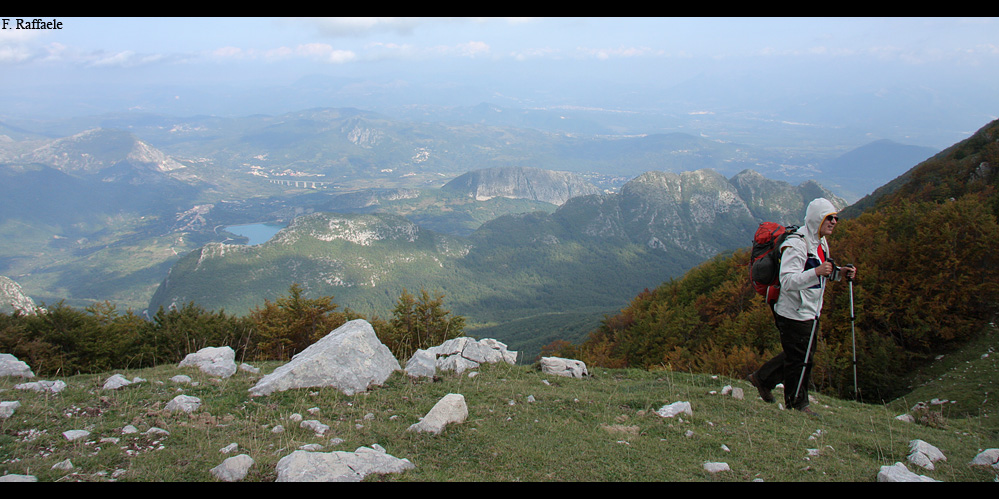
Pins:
x: 420, y: 322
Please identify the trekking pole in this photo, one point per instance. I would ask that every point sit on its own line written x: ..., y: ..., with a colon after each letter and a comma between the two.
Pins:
x: 808, y: 350
x: 853, y: 334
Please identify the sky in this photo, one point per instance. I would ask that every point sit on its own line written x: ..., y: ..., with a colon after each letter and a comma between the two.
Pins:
x: 92, y: 65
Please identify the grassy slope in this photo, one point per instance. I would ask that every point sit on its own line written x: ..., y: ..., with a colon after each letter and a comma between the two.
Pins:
x: 599, y: 429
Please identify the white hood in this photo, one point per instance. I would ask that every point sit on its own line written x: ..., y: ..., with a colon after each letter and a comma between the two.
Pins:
x: 817, y: 211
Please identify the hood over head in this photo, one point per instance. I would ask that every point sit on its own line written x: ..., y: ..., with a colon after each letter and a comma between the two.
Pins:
x: 817, y: 211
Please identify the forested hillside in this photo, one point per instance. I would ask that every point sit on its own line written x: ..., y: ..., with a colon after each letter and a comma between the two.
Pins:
x: 927, y: 282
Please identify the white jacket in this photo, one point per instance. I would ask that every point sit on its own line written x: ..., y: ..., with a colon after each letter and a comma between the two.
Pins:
x: 800, y: 289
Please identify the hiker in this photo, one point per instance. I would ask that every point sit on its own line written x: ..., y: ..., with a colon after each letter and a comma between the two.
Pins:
x: 804, y: 269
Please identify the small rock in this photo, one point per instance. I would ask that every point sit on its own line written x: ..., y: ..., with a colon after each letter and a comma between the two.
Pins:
x: 449, y: 409
x: 716, y: 467
x: 229, y: 448
x: 315, y: 426
x: 72, y: 435
x: 184, y: 403
x: 899, y: 473
x: 670, y: 410
x: 233, y: 469
x: 7, y: 408
x: 63, y: 465
x: 115, y: 382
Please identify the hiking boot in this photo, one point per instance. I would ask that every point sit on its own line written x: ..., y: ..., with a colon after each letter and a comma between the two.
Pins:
x: 764, y: 393
x: 808, y: 412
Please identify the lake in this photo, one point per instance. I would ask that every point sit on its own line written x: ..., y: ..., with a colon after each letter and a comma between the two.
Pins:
x: 257, y: 233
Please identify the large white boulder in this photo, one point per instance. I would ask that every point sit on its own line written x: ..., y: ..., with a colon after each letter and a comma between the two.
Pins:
x: 351, y: 358
x: 216, y: 361
x: 339, y: 466
x: 564, y: 367
x: 10, y: 366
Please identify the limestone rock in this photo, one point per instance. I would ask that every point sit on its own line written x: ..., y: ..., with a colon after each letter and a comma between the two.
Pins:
x: 338, y: 466
x: 43, y: 386
x: 10, y: 366
x: 899, y: 473
x: 564, y: 367
x: 115, y: 382
x: 988, y: 457
x: 716, y: 467
x: 216, y: 361
x: 184, y: 403
x: 449, y: 409
x: 459, y: 355
x: 72, y: 435
x: 924, y: 454
x: 422, y: 363
x: 234, y: 468
x: 350, y: 358
x: 670, y: 410
x: 7, y: 408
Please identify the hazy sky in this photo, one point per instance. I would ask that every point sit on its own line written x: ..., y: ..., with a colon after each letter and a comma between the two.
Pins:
x: 945, y: 54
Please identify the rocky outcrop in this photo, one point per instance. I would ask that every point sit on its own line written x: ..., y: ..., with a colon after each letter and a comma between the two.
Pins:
x: 459, y: 354
x: 517, y: 182
x: 350, y: 359
x: 13, y: 298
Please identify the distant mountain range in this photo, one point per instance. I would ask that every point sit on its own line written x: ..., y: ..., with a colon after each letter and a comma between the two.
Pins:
x: 591, y: 254
x: 99, y: 208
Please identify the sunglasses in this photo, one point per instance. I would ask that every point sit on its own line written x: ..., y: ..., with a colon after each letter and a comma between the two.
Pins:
x: 834, y: 218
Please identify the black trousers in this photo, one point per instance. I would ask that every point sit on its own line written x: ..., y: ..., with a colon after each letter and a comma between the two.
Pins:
x: 786, y: 367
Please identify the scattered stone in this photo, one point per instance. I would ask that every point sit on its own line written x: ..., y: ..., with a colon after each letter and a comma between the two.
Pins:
x: 248, y: 368
x: 129, y: 429
x: 315, y: 426
x: 277, y: 429
x: 233, y: 469
x: 670, y: 410
x: 906, y: 418
x: 10, y: 366
x: 215, y: 361
x: 115, y: 382
x: 924, y: 454
x: 18, y: 478
x: 72, y: 435
x: 350, y: 358
x: 229, y: 448
x: 7, y: 408
x: 63, y: 465
x: 184, y: 403
x: 988, y: 457
x: 449, y: 409
x: 738, y: 393
x: 716, y: 467
x: 569, y: 368
x: 338, y: 466
x: 43, y: 386
x: 311, y: 447
x: 899, y: 473
x: 181, y: 378
x: 156, y: 431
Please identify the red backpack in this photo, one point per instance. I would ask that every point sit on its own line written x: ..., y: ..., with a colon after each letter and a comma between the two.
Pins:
x: 764, y: 261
